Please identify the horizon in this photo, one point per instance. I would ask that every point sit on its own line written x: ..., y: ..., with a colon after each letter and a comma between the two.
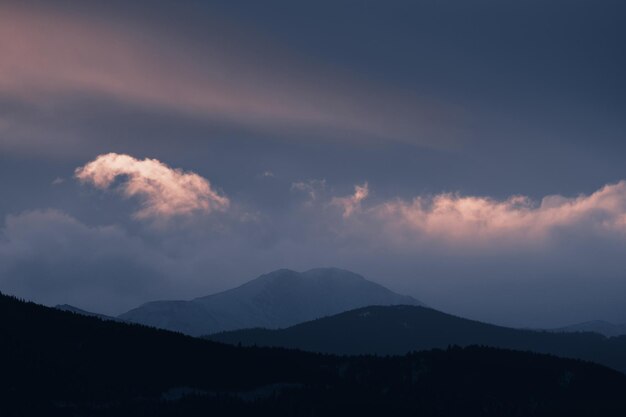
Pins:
x: 470, y: 156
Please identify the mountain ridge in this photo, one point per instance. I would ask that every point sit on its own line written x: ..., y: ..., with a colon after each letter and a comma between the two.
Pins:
x: 396, y: 330
x: 56, y: 363
x: 597, y: 326
x: 73, y: 309
x: 277, y: 299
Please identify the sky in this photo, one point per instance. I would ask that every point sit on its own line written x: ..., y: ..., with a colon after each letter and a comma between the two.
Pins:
x: 470, y: 154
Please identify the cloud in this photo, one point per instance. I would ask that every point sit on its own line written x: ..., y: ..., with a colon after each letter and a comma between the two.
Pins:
x: 51, y: 257
x: 57, y: 232
x: 512, y: 261
x: 471, y: 220
x: 352, y: 203
x: 164, y: 191
x: 50, y: 58
x: 473, y: 223
x: 312, y: 187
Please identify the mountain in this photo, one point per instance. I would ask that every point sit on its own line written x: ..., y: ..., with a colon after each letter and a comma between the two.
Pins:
x: 55, y: 363
x: 76, y: 310
x: 279, y: 299
x: 400, y: 329
x: 597, y: 326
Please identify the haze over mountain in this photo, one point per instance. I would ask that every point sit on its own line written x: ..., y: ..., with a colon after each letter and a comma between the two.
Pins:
x: 468, y: 153
x: 59, y: 364
x: 278, y: 299
x: 597, y: 326
x: 156, y: 157
x: 390, y: 330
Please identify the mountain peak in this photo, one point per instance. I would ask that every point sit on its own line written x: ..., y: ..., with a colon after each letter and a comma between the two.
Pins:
x: 332, y: 273
x: 277, y: 299
x: 314, y: 273
x: 331, y: 270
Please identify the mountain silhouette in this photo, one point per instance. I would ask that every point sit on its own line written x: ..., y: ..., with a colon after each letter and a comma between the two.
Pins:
x: 55, y: 363
x: 389, y: 330
x: 597, y: 326
x: 278, y: 299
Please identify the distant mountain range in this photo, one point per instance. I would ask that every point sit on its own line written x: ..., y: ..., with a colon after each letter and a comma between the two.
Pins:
x: 389, y: 330
x: 597, y: 326
x: 55, y: 363
x: 278, y: 299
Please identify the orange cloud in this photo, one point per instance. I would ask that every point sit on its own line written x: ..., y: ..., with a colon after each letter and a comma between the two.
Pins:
x: 165, y: 192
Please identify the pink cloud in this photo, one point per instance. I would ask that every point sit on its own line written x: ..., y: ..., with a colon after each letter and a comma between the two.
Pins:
x: 475, y: 220
x: 164, y: 191
x: 352, y: 203
x: 47, y: 56
x: 311, y: 187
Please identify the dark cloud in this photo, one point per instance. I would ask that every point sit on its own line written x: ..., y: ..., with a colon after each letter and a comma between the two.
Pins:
x: 49, y: 256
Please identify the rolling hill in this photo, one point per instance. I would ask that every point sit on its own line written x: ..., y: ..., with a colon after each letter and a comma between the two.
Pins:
x: 55, y: 363
x: 278, y: 299
x: 390, y: 330
x: 597, y: 326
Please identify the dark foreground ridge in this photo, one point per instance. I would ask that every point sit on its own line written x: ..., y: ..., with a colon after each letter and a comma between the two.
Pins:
x: 72, y: 309
x: 57, y: 363
x: 396, y: 330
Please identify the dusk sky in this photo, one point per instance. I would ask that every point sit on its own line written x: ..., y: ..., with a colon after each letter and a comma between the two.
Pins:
x: 469, y: 154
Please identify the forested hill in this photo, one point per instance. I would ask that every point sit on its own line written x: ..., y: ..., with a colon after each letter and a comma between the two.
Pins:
x: 396, y: 330
x: 57, y: 363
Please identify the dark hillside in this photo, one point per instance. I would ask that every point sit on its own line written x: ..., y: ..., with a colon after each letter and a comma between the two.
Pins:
x: 56, y: 363
x: 396, y: 330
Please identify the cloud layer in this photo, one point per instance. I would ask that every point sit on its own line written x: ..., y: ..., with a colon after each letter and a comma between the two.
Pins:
x: 50, y: 58
x: 163, y: 191
x: 471, y: 220
x: 261, y: 89
x: 511, y: 261
x: 50, y: 256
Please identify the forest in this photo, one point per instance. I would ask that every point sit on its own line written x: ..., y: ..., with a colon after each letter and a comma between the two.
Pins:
x: 57, y: 363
